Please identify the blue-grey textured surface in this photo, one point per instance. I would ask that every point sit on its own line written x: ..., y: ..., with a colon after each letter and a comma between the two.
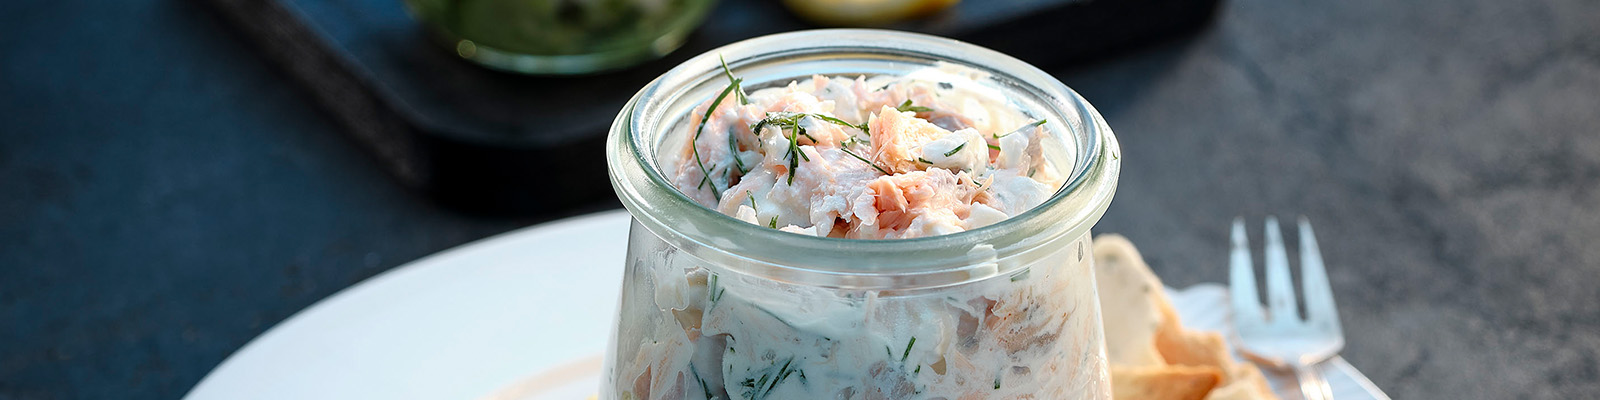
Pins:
x: 165, y: 195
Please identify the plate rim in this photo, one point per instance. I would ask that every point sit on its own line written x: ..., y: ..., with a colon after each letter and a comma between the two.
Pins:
x: 401, y: 273
x: 398, y: 273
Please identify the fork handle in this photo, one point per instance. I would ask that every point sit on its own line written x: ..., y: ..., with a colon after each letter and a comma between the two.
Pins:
x: 1312, y: 384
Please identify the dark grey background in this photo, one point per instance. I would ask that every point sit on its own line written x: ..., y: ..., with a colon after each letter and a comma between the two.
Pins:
x: 165, y: 195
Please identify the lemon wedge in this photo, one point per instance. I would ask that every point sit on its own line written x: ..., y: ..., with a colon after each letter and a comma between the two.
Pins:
x: 864, y: 12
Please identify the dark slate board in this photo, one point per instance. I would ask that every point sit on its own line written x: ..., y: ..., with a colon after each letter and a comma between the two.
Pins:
x: 493, y: 142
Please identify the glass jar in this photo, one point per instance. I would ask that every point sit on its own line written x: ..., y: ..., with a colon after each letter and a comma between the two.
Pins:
x: 714, y: 307
x: 560, y: 36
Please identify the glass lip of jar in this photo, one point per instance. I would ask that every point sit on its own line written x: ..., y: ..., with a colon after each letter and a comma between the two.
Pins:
x: 674, y: 217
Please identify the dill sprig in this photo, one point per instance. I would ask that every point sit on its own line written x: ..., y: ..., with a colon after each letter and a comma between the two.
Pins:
x: 794, y: 151
x: 790, y: 121
x: 906, y: 106
x: 694, y: 143
x: 840, y: 122
x: 729, y: 72
x: 843, y: 147
x: 1030, y: 125
x: 854, y: 140
x: 733, y: 144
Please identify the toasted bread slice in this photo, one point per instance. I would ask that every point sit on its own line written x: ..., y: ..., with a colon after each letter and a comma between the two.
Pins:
x: 1145, y: 338
x: 1186, y: 347
x: 1169, y: 382
x: 1245, y: 382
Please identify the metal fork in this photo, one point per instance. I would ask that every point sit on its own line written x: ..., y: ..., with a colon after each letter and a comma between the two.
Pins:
x: 1277, y: 336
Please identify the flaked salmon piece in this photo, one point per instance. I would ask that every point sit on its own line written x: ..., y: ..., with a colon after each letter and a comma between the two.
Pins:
x: 794, y: 100
x: 897, y: 140
x: 902, y: 143
x: 870, y: 98
x: 845, y: 95
x: 824, y: 184
x: 913, y: 204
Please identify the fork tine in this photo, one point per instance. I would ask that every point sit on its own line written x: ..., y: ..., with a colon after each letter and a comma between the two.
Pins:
x: 1320, y: 308
x: 1280, y: 287
x: 1242, y: 279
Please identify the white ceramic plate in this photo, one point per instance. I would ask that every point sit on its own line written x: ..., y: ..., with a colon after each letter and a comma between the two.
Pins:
x: 522, y: 315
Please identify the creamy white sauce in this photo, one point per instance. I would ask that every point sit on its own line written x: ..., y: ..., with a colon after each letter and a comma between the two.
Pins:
x: 737, y: 337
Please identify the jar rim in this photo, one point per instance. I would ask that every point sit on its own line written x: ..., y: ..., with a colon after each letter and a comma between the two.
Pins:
x: 660, y: 207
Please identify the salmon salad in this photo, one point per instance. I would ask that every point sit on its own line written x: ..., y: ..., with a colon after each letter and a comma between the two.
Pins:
x: 872, y: 158
x: 863, y: 158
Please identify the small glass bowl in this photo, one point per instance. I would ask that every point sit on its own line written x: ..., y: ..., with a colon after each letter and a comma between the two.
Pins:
x: 714, y: 307
x: 560, y: 36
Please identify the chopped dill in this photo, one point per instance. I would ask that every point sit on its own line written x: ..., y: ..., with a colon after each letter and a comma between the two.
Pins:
x: 906, y: 106
x: 840, y: 122
x: 924, y: 161
x: 907, y: 353
x: 1034, y: 124
x: 758, y: 389
x: 955, y: 150
x: 703, y: 386
x: 733, y: 87
x: 729, y: 72
x: 794, y: 151
x: 791, y: 121
x: 1021, y: 275
x: 694, y: 142
x: 713, y: 293
x: 733, y: 148
x: 846, y: 150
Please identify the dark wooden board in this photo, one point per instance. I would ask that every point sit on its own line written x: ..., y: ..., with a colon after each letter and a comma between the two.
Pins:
x: 496, y: 142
